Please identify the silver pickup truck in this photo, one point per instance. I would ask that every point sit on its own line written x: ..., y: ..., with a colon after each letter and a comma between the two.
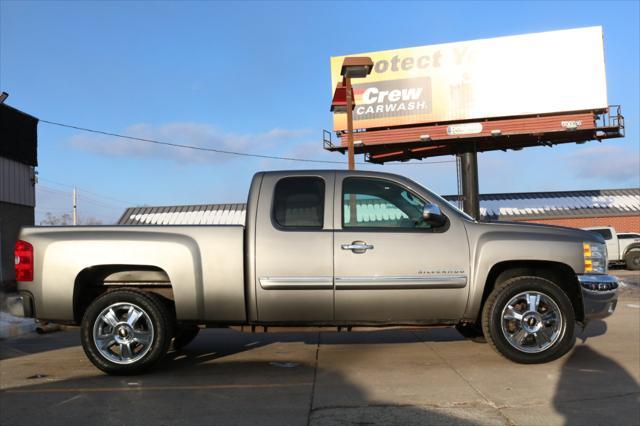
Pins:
x: 319, y: 248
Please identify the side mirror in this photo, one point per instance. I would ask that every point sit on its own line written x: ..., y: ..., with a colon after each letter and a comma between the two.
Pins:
x: 432, y: 215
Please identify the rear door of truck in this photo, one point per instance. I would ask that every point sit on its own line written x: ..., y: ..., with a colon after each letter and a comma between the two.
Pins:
x: 294, y: 247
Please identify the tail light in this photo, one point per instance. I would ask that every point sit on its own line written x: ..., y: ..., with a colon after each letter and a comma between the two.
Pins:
x: 24, y: 261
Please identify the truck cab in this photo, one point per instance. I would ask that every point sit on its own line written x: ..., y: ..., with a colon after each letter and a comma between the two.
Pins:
x: 369, y: 256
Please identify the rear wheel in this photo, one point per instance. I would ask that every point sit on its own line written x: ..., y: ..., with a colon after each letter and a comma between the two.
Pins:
x: 126, y: 331
x: 529, y: 320
x: 632, y: 259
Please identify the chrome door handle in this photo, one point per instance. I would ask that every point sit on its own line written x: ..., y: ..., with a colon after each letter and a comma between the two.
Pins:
x: 357, y: 246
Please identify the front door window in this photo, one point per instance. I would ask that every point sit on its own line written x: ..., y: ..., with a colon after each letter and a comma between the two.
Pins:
x: 378, y: 203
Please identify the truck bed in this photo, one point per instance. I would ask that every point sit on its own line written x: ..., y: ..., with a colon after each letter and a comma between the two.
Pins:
x: 204, y: 264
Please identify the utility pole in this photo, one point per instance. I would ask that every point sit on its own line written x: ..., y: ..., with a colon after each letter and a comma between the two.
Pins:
x: 75, y: 207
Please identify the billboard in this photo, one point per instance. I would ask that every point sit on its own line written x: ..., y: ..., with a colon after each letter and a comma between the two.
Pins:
x: 529, y: 74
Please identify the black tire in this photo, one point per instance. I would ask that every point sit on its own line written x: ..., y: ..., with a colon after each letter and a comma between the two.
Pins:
x: 184, y: 335
x: 632, y: 259
x: 159, y: 324
x: 472, y: 332
x: 492, y: 320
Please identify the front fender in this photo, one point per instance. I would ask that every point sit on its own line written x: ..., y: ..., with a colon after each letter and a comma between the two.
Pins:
x: 492, y: 244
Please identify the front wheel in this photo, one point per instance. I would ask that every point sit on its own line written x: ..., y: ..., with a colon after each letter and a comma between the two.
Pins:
x: 126, y: 331
x: 529, y: 320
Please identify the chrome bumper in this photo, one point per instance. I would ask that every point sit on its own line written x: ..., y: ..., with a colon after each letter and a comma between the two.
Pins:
x: 599, y: 295
x: 20, y: 305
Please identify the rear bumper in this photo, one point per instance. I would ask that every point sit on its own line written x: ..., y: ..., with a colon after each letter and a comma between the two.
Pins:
x: 599, y: 295
x: 20, y: 305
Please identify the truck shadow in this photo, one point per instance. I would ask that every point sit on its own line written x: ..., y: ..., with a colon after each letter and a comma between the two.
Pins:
x: 214, y: 344
x: 227, y: 341
x: 33, y: 343
x: 205, y: 384
x: 590, y: 381
x: 282, y: 386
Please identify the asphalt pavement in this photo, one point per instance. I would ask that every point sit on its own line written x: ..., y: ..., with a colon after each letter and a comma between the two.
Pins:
x: 405, y: 376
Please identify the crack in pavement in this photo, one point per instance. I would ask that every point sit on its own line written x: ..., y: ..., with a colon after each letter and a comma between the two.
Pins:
x: 392, y: 405
x: 569, y: 401
x: 313, y: 386
x: 488, y: 401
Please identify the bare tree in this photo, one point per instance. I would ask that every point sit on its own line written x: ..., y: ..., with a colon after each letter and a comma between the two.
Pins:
x: 66, y: 219
x: 90, y: 221
x: 56, y: 220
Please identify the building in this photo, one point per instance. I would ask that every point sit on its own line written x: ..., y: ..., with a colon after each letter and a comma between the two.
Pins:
x: 18, y: 159
x: 619, y: 208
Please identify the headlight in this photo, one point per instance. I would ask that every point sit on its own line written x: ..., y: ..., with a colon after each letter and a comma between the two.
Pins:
x: 595, y: 258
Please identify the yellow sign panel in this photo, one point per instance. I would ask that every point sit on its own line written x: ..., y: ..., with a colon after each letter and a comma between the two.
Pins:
x: 557, y: 71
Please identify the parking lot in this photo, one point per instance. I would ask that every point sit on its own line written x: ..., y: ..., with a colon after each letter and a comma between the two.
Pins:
x: 392, y: 376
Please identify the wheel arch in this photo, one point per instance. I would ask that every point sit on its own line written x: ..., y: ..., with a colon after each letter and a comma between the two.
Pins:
x: 630, y: 247
x: 96, y: 280
x: 559, y: 273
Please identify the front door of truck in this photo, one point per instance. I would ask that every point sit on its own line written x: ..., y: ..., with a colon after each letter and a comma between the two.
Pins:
x: 391, y: 266
x: 294, y: 248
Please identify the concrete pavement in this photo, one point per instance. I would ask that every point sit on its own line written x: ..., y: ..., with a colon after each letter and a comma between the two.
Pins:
x: 381, y: 377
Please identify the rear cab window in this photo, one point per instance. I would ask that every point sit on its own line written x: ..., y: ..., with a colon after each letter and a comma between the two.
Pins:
x: 605, y: 233
x: 628, y: 236
x: 298, y: 203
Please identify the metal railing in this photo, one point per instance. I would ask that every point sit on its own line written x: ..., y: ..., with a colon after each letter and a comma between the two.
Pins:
x: 327, y: 142
x: 611, y: 119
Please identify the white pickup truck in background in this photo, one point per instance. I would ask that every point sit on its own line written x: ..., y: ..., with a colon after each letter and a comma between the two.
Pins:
x: 623, y: 247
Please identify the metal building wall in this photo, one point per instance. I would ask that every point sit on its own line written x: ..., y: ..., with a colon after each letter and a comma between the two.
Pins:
x: 17, y: 201
x: 12, y: 218
x: 17, y: 183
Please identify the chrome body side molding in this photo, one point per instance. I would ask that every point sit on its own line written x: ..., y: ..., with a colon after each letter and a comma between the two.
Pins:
x: 296, y: 283
x: 400, y: 282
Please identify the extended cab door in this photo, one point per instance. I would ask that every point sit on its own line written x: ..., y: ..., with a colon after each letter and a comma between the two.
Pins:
x: 294, y: 248
x: 390, y: 266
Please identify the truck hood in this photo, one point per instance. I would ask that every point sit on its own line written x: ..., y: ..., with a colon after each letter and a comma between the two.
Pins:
x: 552, y: 231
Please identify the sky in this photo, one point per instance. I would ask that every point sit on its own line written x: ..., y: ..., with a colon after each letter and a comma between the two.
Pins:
x: 254, y: 77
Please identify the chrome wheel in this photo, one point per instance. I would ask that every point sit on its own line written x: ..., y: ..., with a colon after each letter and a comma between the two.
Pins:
x: 532, y: 322
x: 123, y: 333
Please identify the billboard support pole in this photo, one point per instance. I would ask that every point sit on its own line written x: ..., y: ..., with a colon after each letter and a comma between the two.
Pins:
x: 352, y: 161
x: 470, y: 188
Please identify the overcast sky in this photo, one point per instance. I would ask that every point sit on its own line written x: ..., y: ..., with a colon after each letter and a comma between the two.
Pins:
x: 254, y: 77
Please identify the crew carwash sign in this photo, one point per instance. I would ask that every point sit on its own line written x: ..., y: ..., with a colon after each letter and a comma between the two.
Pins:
x: 550, y: 72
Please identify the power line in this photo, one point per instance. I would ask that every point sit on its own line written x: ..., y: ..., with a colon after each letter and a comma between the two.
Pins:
x: 41, y: 187
x: 95, y: 202
x: 44, y: 209
x: 216, y: 150
x: 83, y: 197
x: 125, y: 202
